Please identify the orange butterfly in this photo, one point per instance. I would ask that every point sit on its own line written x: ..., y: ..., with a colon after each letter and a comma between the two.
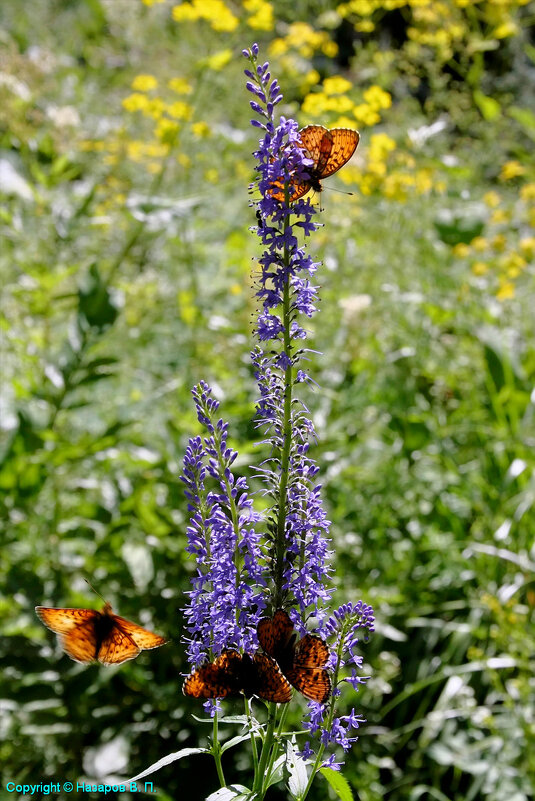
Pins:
x: 232, y: 673
x: 329, y: 151
x: 303, y: 663
x: 90, y: 636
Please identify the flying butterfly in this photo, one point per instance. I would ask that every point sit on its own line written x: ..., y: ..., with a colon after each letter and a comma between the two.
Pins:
x: 302, y: 662
x: 232, y: 673
x: 90, y: 636
x: 328, y: 149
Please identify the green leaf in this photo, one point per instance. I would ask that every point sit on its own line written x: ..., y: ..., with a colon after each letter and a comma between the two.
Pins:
x: 338, y: 782
x: 166, y: 760
x: 488, y: 106
x: 95, y: 301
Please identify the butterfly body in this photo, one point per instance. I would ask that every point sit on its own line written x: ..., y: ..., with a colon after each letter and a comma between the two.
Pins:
x: 301, y: 662
x: 232, y: 673
x: 87, y: 635
x: 328, y: 150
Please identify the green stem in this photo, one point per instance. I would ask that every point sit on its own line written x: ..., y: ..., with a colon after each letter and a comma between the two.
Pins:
x: 216, y: 751
x: 280, y: 540
x: 266, y: 752
x: 274, y: 751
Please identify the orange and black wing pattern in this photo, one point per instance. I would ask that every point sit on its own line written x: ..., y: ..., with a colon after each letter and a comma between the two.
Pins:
x: 90, y: 636
x: 328, y: 150
x: 232, y: 673
x: 303, y: 663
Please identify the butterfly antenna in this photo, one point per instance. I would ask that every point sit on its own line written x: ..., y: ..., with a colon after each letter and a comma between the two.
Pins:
x: 95, y: 591
x: 334, y: 189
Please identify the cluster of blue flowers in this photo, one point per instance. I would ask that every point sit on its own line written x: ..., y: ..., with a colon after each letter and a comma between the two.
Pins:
x: 247, y: 563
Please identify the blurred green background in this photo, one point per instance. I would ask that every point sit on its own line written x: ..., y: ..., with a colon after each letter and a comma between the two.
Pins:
x: 125, y: 159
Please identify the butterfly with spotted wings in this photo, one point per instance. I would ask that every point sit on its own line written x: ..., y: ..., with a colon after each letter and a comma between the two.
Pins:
x: 232, y: 673
x: 328, y: 149
x: 90, y: 636
x: 302, y: 662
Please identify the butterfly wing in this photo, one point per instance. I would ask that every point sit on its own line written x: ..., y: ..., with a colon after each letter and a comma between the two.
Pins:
x: 217, y: 679
x: 343, y: 144
x: 116, y: 647
x: 269, y: 683
x: 144, y: 639
x: 81, y: 643
x: 274, y: 634
x: 308, y: 674
x: 313, y: 683
x: 318, y: 142
x: 61, y: 621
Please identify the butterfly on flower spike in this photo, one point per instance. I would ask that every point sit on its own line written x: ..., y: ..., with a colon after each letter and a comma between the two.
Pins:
x: 328, y: 149
x: 232, y: 673
x: 90, y: 636
x: 302, y: 662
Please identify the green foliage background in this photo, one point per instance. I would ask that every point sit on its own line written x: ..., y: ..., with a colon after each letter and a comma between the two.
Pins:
x: 125, y: 279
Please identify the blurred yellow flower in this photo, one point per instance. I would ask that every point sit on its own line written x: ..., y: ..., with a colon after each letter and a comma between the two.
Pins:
x: 211, y: 175
x: 513, y: 264
x: 479, y: 243
x: 215, y: 12
x: 511, y: 169
x: 498, y: 243
x: 491, y: 199
x: 136, y: 102
x: 144, y: 83
x: 336, y: 85
x: 201, y: 130
x: 179, y: 110
x: 366, y: 115
x: 261, y: 18
x: 527, y: 247
x: 219, y: 60
x: 506, y: 290
x: 180, y: 85
x: 377, y: 98
x: 500, y: 216
x: 166, y: 130
x: 152, y: 2
x: 527, y: 192
x: 461, y: 250
x: 480, y: 268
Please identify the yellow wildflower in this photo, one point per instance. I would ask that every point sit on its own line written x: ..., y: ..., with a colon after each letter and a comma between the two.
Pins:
x: 498, y: 243
x: 479, y: 243
x: 261, y: 18
x: 527, y: 192
x: 527, y: 246
x: 377, y: 98
x: 136, y: 102
x: 211, y: 175
x: 201, y: 130
x: 511, y: 169
x: 184, y: 160
x: 180, y: 85
x: 166, y: 130
x: 500, y: 216
x: 366, y: 115
x: 461, y: 250
x: 491, y: 199
x: 179, y: 110
x: 513, y: 264
x: 144, y: 83
x: 506, y: 290
x: 219, y: 60
x: 480, y: 268
x: 336, y: 85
